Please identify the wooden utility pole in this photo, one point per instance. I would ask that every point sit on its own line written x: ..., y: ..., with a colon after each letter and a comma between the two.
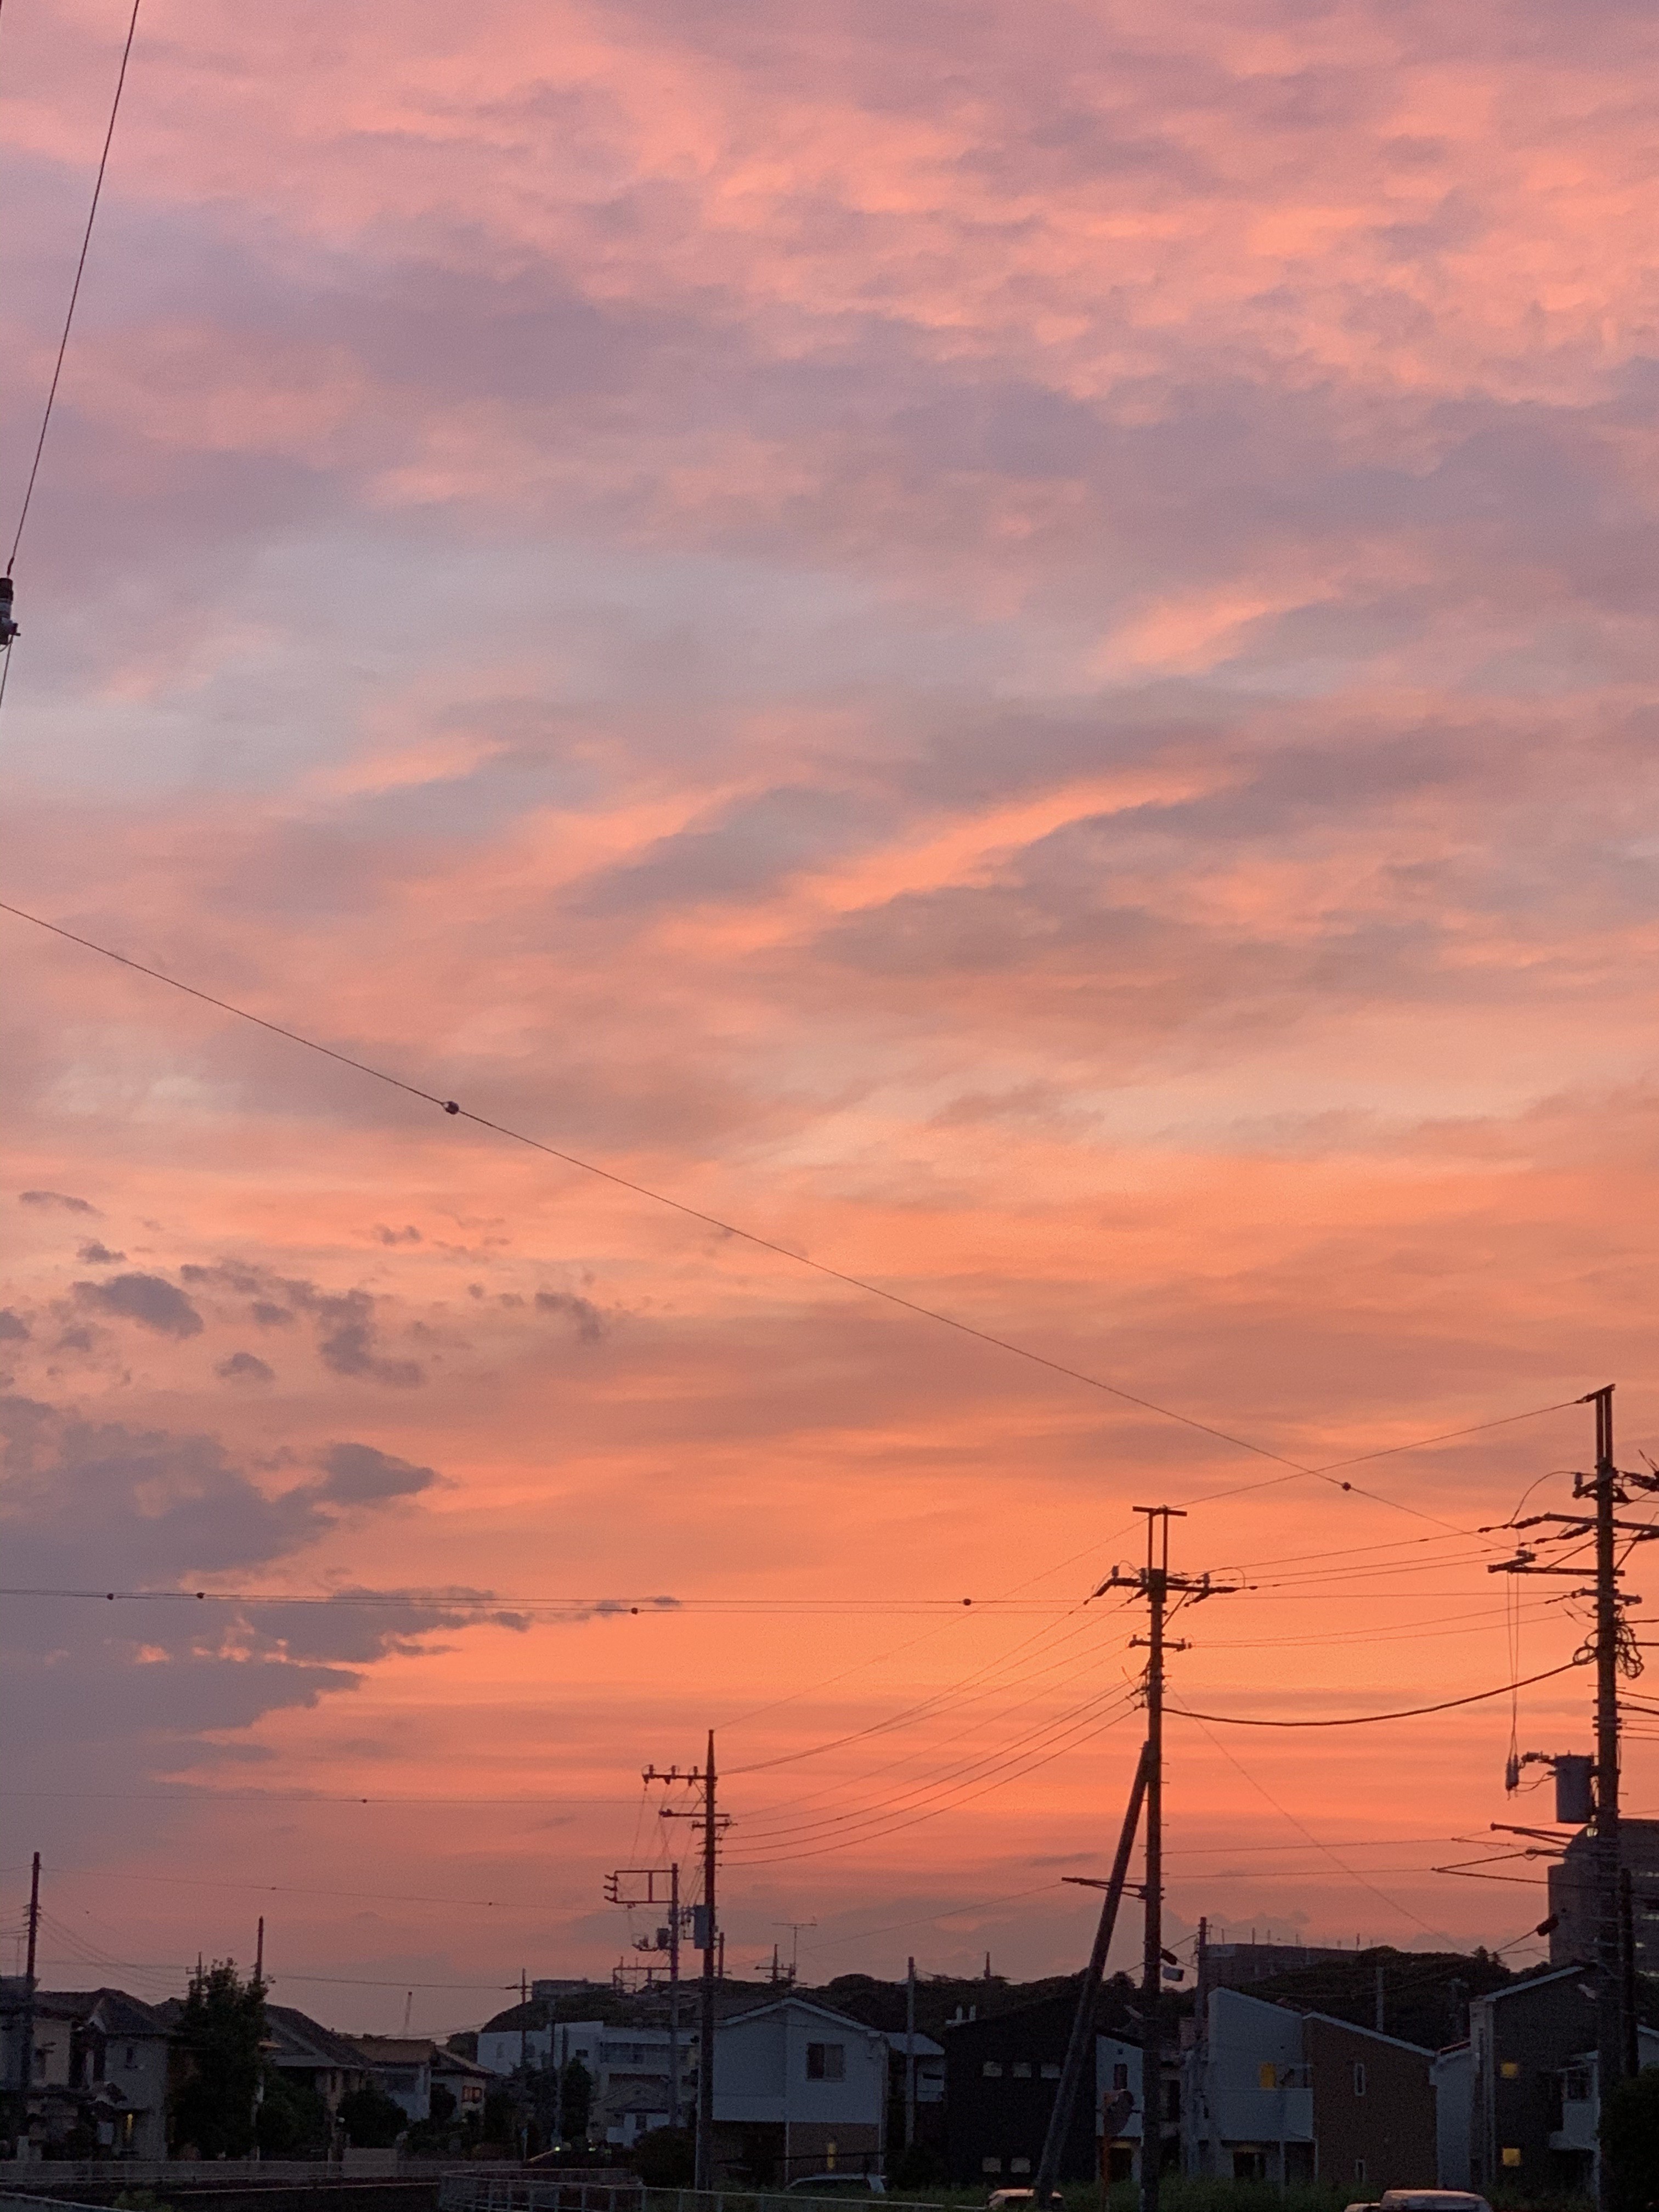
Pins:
x: 909, y: 2052
x: 1613, y: 1650
x: 712, y: 1821
x: 26, y: 2057
x: 1157, y: 1585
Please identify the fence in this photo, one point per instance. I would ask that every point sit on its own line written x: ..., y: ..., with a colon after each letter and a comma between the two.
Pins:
x: 544, y: 2192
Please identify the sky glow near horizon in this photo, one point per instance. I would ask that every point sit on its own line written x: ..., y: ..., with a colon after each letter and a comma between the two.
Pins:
x: 1011, y: 646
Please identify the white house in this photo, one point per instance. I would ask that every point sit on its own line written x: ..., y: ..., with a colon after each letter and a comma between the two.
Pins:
x: 799, y: 2090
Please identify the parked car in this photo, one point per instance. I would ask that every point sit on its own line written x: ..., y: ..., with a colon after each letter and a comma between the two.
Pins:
x: 1432, y: 2200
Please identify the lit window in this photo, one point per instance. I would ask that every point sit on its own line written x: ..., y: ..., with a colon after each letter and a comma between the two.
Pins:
x: 1510, y: 2070
x: 826, y: 2062
x: 1359, y: 2077
x: 1511, y: 2154
x: 1266, y: 2075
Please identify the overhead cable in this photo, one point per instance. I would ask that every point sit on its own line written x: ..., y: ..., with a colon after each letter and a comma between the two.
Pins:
x: 1365, y: 1720
x: 861, y: 1283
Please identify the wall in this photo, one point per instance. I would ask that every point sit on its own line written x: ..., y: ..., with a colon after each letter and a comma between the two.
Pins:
x: 1385, y: 2138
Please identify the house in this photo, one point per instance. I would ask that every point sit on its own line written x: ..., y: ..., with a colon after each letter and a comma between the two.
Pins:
x: 1248, y: 2113
x: 930, y: 2065
x: 798, y: 2089
x: 629, y: 2067
x: 400, y: 2066
x: 1520, y: 2098
x: 1001, y: 2077
x: 1285, y: 2097
x: 100, y: 2070
x: 930, y: 2089
x: 466, y: 2081
x: 313, y: 2056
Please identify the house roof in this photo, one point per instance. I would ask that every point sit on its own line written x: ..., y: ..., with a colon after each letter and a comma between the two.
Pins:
x: 925, y: 2047
x: 396, y: 2050
x: 800, y: 2004
x: 1526, y: 1988
x: 452, y: 2062
x: 118, y: 2014
x: 296, y: 2039
x: 1371, y: 2034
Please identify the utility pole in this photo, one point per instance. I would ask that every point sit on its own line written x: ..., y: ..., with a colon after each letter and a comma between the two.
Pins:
x: 26, y: 2057
x: 909, y: 2052
x: 641, y: 1886
x: 1080, y: 2050
x: 260, y: 1954
x: 1157, y: 1585
x: 1613, y: 1648
x: 710, y: 1942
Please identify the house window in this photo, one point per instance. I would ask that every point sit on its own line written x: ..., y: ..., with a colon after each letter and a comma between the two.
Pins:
x: 1120, y: 2074
x: 826, y: 2062
x: 1359, y: 2169
x: 1359, y: 2077
x: 1575, y: 2085
x: 1050, y: 2073
x: 990, y: 2165
x: 131, y: 2059
x: 1510, y: 2070
x: 1511, y: 2154
x: 992, y: 2070
x: 1022, y: 2069
x: 1266, y: 2075
x: 1019, y: 2165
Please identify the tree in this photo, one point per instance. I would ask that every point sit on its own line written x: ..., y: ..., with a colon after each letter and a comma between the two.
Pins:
x: 219, y: 2035
x: 292, y: 2117
x: 577, y: 2088
x: 372, y: 2119
x: 1630, y: 2142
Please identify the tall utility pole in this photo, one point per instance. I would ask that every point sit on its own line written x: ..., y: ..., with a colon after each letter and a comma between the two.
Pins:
x: 1157, y: 1585
x: 712, y: 1821
x: 1615, y: 1651
x: 909, y: 2052
x: 26, y: 2056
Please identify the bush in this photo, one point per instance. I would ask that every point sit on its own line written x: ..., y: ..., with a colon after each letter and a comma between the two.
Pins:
x: 371, y: 2119
x: 1629, y: 2142
x: 666, y: 2158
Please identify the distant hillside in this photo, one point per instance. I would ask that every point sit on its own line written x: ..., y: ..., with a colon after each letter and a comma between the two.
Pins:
x: 1425, y: 1993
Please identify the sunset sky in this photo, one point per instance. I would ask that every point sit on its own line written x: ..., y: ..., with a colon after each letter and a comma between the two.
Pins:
x: 1011, y: 646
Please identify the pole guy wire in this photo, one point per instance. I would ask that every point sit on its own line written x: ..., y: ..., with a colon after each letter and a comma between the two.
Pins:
x: 75, y: 290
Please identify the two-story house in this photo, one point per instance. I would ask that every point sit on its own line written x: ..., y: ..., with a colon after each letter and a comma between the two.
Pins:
x: 98, y: 2075
x: 1285, y: 2097
x: 799, y: 2090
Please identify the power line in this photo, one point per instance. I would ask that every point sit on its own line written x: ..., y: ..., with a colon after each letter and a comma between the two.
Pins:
x: 74, y: 290
x: 1363, y: 1720
x: 767, y: 1244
